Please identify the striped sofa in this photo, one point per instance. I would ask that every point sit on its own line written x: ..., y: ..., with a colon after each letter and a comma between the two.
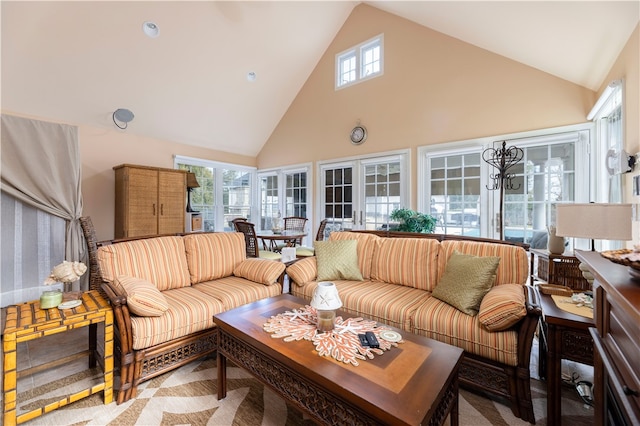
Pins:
x: 401, y: 270
x: 165, y: 291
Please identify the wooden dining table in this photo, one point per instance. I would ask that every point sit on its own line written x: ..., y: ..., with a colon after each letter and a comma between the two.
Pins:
x: 289, y: 237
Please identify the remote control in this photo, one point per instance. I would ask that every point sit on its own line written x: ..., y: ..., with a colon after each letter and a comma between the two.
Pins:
x: 371, y: 338
x: 363, y: 340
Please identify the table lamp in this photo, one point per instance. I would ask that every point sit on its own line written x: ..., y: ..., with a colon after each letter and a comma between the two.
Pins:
x: 326, y: 300
x: 596, y: 221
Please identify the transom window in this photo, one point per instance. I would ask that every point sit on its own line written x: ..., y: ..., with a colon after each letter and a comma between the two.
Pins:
x: 360, y: 63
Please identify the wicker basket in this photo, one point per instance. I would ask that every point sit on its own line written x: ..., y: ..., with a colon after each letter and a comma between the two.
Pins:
x: 558, y: 290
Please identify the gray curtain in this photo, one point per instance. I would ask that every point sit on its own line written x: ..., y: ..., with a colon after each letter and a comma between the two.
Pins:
x: 41, y: 167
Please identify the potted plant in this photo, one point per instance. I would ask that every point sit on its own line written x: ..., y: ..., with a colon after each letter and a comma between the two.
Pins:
x: 413, y: 221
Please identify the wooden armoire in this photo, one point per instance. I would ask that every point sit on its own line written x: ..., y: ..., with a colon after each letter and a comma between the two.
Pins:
x: 149, y: 201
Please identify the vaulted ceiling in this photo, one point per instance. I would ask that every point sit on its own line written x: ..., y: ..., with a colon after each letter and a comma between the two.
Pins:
x: 77, y: 62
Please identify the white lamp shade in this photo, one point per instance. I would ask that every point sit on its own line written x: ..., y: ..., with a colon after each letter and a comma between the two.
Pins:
x: 326, y: 297
x: 597, y: 221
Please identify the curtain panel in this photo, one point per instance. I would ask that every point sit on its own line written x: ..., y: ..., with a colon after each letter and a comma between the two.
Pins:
x: 41, y: 167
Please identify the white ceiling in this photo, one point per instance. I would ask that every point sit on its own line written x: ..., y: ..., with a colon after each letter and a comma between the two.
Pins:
x: 77, y: 62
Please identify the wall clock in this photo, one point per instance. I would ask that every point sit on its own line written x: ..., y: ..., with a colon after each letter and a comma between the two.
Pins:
x: 358, y: 135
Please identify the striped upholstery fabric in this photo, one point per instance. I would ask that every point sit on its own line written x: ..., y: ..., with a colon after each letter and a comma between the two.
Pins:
x: 259, y: 270
x: 160, y: 260
x: 189, y: 311
x: 514, y: 263
x: 389, y: 304
x: 303, y: 271
x: 214, y: 255
x: 410, y: 262
x: 367, y: 244
x: 143, y: 297
x: 502, y: 307
x: 235, y: 291
x: 437, y: 320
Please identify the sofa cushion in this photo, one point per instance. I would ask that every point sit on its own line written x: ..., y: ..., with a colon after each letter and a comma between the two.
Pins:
x: 303, y: 270
x: 143, y: 297
x: 389, y: 304
x: 466, y: 280
x: 502, y: 307
x: 160, y: 260
x: 367, y: 244
x: 514, y: 261
x: 259, y: 270
x: 337, y: 260
x: 189, y: 311
x: 214, y: 255
x: 406, y: 261
x: 236, y: 291
x: 440, y: 321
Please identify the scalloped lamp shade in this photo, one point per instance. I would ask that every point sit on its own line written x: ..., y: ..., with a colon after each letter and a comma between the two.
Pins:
x: 326, y: 297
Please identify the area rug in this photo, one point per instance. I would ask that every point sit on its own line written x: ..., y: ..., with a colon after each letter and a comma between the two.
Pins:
x: 187, y: 396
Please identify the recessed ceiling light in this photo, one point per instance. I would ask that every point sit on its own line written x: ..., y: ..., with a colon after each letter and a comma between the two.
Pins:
x: 151, y: 29
x: 251, y: 76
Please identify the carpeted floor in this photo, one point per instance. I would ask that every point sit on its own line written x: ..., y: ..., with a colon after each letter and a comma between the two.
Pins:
x: 187, y: 396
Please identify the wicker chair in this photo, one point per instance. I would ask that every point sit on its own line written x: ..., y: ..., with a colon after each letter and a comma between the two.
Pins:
x: 251, y: 240
x: 310, y: 251
x: 295, y: 223
x: 95, y: 276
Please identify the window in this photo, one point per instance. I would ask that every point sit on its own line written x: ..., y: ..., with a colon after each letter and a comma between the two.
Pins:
x: 283, y: 193
x: 455, y: 192
x: 360, y: 62
x: 607, y: 115
x: 225, y: 192
x: 361, y: 193
x: 454, y: 183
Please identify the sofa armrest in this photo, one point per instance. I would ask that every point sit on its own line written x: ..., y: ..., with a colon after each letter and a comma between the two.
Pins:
x: 303, y: 271
x: 528, y: 326
x: 122, y: 319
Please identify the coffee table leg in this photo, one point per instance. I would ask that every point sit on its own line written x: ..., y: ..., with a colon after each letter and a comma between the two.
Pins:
x: 222, y: 376
x: 453, y: 415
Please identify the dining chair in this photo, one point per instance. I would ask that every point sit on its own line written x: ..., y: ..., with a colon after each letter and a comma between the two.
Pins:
x: 295, y: 223
x: 251, y: 241
x: 310, y: 251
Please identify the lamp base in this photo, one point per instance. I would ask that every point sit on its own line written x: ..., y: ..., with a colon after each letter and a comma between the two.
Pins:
x: 326, y: 321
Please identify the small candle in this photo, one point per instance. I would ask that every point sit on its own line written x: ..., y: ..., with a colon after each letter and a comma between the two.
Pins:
x: 50, y: 299
x: 326, y: 320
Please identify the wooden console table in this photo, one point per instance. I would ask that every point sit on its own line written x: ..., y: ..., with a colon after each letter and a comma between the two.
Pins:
x: 616, y: 338
x: 27, y: 321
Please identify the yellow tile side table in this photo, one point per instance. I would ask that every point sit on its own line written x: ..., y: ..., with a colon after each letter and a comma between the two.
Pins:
x: 27, y: 321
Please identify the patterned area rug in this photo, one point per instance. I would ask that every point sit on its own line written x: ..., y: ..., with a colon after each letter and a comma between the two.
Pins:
x: 187, y: 396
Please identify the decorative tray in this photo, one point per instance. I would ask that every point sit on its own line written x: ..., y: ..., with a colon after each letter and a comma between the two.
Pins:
x: 626, y: 257
x: 559, y: 290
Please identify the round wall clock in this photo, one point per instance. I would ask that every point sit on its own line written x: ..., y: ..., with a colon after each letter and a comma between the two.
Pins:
x: 358, y: 135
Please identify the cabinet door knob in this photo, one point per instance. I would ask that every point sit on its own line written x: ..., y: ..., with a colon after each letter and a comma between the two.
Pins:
x: 628, y: 391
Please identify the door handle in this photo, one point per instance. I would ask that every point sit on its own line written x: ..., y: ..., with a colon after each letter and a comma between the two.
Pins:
x: 361, y: 223
x: 154, y: 209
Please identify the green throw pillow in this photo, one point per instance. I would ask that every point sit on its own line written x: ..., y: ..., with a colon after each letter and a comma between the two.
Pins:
x: 466, y: 280
x: 337, y: 260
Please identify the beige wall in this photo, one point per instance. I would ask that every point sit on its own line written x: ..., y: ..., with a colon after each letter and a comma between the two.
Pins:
x: 101, y: 149
x: 434, y: 89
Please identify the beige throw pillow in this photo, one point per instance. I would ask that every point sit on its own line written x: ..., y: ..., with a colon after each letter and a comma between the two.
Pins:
x: 337, y: 260
x: 466, y: 280
x: 502, y: 307
x: 262, y: 271
x: 143, y: 297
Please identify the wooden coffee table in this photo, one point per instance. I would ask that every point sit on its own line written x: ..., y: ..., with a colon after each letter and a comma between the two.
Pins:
x: 413, y: 384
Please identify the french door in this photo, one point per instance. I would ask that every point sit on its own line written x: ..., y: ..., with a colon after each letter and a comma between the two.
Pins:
x: 362, y: 193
